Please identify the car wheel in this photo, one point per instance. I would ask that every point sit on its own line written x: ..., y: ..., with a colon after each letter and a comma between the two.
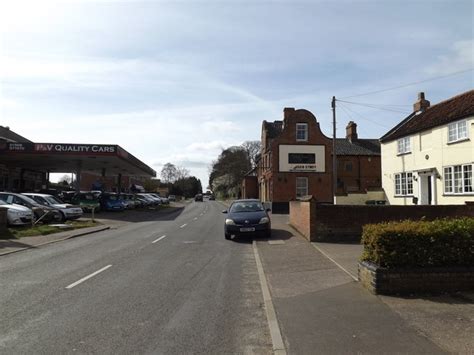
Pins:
x: 227, y: 236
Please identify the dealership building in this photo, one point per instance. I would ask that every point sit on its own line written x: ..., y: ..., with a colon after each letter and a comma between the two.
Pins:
x: 26, y: 165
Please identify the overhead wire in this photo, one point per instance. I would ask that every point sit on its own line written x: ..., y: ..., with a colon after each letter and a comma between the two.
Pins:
x: 378, y: 107
x: 346, y: 109
x: 410, y: 84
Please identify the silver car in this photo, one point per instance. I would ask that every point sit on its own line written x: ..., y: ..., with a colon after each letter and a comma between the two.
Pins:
x: 17, y: 215
x: 67, y: 210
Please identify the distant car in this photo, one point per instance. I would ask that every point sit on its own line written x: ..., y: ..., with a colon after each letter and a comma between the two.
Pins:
x: 247, y: 217
x: 68, y: 211
x: 111, y: 202
x: 198, y: 197
x: 46, y: 213
x: 172, y: 197
x: 17, y: 215
x: 212, y: 198
x: 154, y: 201
x: 87, y: 201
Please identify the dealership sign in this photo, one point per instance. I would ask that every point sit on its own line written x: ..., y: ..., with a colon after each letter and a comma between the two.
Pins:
x: 74, y: 148
x: 62, y: 148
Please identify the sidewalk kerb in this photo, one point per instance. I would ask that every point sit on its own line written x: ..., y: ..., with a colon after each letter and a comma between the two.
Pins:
x: 277, y: 340
x: 101, y: 229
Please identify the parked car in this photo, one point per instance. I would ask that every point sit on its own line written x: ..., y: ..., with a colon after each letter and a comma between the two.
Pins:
x: 153, y: 200
x: 144, y: 202
x: 212, y: 198
x: 67, y: 196
x: 172, y: 198
x: 17, y: 215
x: 111, y: 202
x: 198, y: 197
x: 128, y: 201
x: 247, y: 217
x: 46, y: 213
x: 67, y: 210
x: 87, y: 201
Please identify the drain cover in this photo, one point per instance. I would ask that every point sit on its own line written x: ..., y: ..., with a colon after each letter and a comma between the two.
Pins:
x: 276, y: 242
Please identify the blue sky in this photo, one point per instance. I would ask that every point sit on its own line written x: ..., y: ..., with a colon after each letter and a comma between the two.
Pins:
x: 178, y: 81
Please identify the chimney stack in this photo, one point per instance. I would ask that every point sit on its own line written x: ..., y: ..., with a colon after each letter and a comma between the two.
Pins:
x: 288, y: 112
x: 351, y: 131
x: 421, y: 104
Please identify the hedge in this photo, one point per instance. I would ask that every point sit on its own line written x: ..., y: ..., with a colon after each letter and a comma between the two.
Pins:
x: 442, y: 242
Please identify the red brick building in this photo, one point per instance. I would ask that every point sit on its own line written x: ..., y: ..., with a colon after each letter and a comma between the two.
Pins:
x: 296, y: 160
x: 358, y: 163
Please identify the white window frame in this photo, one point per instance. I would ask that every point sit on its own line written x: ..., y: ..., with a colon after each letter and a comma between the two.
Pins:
x: 301, y: 188
x: 459, y: 179
x: 404, y: 184
x: 302, y: 127
x: 403, y: 145
x: 458, y: 131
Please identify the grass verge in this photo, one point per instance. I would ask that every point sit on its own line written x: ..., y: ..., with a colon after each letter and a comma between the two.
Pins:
x: 20, y: 232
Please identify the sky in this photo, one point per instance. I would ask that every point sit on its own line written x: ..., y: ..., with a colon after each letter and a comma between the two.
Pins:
x: 178, y: 81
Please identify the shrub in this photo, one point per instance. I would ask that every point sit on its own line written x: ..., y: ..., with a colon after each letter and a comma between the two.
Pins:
x: 442, y: 242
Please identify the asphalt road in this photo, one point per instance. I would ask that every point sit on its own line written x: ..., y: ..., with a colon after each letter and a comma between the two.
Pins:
x: 170, y: 286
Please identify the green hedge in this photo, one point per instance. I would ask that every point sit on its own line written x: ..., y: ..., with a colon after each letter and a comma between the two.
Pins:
x: 443, y: 242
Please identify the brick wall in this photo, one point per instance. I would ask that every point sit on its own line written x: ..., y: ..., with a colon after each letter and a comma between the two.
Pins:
x: 300, y: 212
x: 339, y: 223
x: 415, y: 280
x: 250, y: 187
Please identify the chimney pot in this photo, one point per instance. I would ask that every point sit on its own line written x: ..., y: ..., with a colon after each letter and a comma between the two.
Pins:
x: 351, y: 131
x: 421, y: 104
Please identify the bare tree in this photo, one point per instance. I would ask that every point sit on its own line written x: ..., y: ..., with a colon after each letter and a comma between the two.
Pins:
x: 252, y: 148
x: 181, y: 173
x: 65, y: 179
x: 169, y: 173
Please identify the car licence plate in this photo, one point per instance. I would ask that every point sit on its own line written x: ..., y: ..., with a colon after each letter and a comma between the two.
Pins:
x: 247, y: 229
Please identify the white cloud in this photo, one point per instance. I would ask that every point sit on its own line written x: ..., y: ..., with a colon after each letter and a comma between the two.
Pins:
x: 460, y: 57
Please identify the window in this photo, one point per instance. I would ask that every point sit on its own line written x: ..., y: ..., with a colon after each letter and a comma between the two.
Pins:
x: 301, y: 131
x: 301, y: 186
x: 403, y: 184
x: 301, y: 158
x: 348, y: 166
x: 457, y: 131
x: 458, y: 179
x: 403, y: 145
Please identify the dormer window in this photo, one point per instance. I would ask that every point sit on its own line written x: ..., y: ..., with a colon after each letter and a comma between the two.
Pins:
x: 403, y: 145
x: 457, y: 131
x: 301, y: 132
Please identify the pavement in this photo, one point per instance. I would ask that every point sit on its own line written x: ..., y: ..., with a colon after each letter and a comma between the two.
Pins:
x: 321, y: 307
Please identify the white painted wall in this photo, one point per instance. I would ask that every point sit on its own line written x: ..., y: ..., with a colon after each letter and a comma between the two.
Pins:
x: 430, y: 149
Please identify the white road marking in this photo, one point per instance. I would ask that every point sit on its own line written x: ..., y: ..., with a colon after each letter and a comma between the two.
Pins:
x: 88, y: 277
x: 157, y: 240
x: 184, y: 225
x: 195, y: 218
x: 277, y: 340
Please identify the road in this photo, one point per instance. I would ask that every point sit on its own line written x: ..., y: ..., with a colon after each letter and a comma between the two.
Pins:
x: 169, y: 286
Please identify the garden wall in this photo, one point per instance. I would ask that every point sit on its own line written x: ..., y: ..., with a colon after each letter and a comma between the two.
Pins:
x: 343, y: 223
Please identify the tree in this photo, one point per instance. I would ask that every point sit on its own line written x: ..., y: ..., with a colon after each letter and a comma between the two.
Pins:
x: 181, y: 173
x: 65, y: 180
x: 169, y: 173
x: 228, y: 171
x: 252, y: 148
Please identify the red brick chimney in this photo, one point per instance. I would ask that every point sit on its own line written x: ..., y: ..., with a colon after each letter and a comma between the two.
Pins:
x: 288, y: 112
x: 421, y: 104
x: 351, y: 131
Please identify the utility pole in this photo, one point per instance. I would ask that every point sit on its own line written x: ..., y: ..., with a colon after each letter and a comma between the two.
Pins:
x: 334, y: 162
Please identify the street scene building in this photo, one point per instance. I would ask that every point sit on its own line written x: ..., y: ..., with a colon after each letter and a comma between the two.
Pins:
x: 25, y: 165
x: 427, y: 159
x: 296, y: 161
